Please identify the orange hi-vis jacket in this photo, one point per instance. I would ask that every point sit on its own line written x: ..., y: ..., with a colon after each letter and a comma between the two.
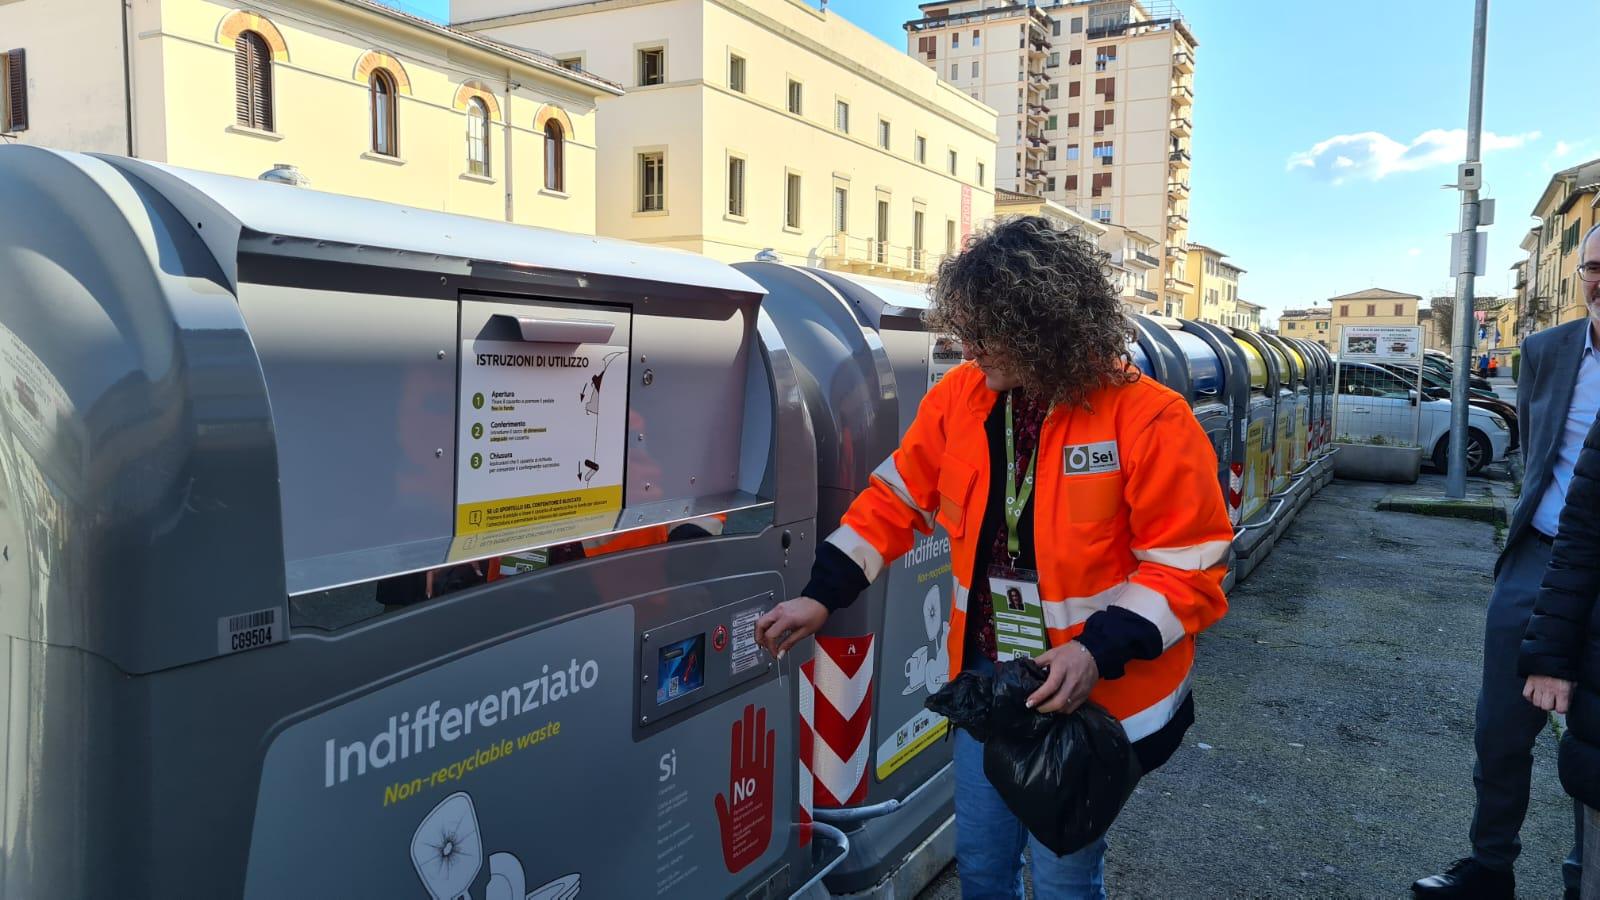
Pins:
x: 1126, y: 513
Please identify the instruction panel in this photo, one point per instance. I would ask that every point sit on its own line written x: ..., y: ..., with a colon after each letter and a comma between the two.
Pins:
x: 541, y: 433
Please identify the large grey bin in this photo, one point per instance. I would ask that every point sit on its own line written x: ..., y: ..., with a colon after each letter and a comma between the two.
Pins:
x: 864, y: 361
x: 238, y: 416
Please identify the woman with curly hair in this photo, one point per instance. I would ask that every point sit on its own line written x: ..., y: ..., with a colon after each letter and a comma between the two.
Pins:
x: 1061, y: 475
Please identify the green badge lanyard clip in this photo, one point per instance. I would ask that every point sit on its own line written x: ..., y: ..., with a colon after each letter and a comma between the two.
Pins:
x: 1015, y: 500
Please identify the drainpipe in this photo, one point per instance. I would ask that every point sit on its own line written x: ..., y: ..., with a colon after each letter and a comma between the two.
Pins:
x: 505, y: 115
x: 127, y: 69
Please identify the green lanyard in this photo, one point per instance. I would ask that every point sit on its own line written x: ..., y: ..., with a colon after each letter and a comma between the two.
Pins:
x: 1015, y: 501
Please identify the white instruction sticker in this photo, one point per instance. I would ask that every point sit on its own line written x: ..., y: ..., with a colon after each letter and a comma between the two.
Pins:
x: 746, y: 654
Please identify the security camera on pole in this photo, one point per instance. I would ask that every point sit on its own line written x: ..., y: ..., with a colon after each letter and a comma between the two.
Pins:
x: 1467, y: 253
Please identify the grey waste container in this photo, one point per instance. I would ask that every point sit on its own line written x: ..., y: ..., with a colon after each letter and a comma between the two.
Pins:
x: 1206, y: 377
x: 368, y: 551
x: 1234, y: 391
x: 864, y: 361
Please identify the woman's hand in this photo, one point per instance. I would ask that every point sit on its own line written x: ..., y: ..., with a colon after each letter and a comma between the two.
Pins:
x: 789, y: 623
x: 1073, y: 674
x: 1548, y: 693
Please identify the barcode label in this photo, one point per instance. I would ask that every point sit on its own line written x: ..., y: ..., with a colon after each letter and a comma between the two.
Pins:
x: 253, y: 620
x: 247, y: 631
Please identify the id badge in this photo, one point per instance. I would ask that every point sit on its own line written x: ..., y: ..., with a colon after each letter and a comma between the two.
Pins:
x: 1019, y: 629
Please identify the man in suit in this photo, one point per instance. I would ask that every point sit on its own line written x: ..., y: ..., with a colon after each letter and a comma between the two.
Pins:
x: 1558, y: 396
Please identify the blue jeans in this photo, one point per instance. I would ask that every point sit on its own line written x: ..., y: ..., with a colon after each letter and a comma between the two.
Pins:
x: 989, y: 839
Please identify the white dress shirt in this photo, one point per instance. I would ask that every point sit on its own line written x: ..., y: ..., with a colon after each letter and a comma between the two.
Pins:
x: 1580, y: 416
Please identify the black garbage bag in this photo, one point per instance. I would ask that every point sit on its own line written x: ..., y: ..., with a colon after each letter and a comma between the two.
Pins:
x: 1065, y: 777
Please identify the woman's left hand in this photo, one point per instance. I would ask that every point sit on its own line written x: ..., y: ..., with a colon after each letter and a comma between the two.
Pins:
x: 1072, y: 675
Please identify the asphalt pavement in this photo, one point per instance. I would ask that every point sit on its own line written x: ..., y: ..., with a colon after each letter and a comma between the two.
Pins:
x: 1332, y: 755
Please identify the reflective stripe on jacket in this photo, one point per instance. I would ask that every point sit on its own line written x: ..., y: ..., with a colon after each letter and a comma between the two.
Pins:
x: 1127, y: 512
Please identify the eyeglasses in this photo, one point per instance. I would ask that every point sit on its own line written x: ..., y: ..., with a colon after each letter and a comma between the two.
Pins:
x: 1589, y: 272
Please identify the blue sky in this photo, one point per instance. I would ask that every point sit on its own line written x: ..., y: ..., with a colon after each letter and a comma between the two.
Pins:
x: 1323, y: 131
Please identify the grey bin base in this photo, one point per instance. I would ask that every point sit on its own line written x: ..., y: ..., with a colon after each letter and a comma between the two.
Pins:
x: 1252, y: 546
x: 895, y: 848
x: 919, y: 869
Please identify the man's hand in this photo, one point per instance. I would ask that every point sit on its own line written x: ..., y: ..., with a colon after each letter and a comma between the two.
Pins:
x: 1073, y: 674
x: 1548, y: 693
x: 789, y: 623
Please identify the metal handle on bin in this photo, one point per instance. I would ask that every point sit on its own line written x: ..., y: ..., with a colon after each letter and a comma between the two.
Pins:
x: 838, y: 837
x: 562, y: 331
x: 877, y: 810
x: 1264, y: 522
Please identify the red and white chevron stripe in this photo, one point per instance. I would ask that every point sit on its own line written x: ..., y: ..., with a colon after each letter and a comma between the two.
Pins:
x: 836, y: 715
x: 1235, y: 491
x: 804, y: 781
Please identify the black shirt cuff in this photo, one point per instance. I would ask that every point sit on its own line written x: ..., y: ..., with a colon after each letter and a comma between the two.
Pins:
x: 836, y: 580
x: 1115, y: 636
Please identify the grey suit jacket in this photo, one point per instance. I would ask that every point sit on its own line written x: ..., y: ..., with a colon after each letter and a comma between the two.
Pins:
x: 1549, y: 371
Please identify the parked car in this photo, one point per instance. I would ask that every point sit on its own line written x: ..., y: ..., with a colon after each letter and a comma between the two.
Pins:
x: 1443, y: 363
x: 1436, y: 386
x: 1376, y: 403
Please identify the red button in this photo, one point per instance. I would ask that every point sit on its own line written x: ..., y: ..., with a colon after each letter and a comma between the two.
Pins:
x: 719, y: 638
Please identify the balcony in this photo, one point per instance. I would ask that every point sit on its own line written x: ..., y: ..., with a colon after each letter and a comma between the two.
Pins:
x: 1177, y: 220
x: 1183, y: 61
x: 1177, y: 251
x: 1182, y: 126
x: 1039, y: 78
x: 1143, y: 294
x: 1177, y: 188
x: 1038, y: 43
x: 1036, y: 111
x: 1182, y: 95
x: 1141, y: 258
x: 1038, y: 142
x: 1179, y: 157
x: 869, y: 256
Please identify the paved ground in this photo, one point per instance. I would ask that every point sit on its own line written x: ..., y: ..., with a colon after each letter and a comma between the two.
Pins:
x: 1333, y: 751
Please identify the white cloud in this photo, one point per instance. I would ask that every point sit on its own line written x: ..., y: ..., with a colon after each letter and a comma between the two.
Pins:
x: 1414, y: 251
x: 1372, y: 155
x: 1562, y: 149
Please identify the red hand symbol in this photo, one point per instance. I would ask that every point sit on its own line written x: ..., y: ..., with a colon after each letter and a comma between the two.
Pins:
x: 746, y: 822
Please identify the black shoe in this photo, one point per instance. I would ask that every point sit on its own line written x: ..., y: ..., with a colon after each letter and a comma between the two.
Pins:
x: 1468, y: 878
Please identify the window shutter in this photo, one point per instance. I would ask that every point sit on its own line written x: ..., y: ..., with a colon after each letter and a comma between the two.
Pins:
x: 1076, y: 58
x: 1074, y: 89
x: 241, y: 79
x: 252, y: 81
x: 1073, y: 119
x: 1072, y: 182
x: 16, y: 99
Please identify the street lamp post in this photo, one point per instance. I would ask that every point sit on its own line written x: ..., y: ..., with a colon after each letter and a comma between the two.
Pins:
x: 1466, y: 265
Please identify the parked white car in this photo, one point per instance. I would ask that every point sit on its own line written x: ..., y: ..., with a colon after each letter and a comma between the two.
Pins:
x: 1375, y: 403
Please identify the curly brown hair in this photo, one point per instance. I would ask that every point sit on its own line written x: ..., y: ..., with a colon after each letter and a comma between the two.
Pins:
x: 1036, y: 300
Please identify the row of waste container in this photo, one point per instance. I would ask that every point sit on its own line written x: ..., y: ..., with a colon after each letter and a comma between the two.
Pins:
x: 358, y: 550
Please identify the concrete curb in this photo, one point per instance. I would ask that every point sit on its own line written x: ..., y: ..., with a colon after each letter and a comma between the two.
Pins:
x: 1483, y: 508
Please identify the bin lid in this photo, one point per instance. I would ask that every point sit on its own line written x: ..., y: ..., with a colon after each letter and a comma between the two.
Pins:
x: 1258, y: 365
x: 278, y: 212
x: 880, y: 298
x: 1205, y: 368
x: 1141, y: 359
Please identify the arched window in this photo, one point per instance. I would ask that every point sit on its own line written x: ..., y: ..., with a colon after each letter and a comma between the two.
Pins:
x: 385, y: 132
x: 477, y: 137
x: 252, y: 81
x: 555, y: 156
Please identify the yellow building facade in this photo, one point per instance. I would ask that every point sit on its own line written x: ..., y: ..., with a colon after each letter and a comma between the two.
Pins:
x: 1567, y: 209
x: 753, y: 125
x: 361, y: 99
x: 1311, y: 324
x: 1212, y: 293
x: 1374, y: 306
